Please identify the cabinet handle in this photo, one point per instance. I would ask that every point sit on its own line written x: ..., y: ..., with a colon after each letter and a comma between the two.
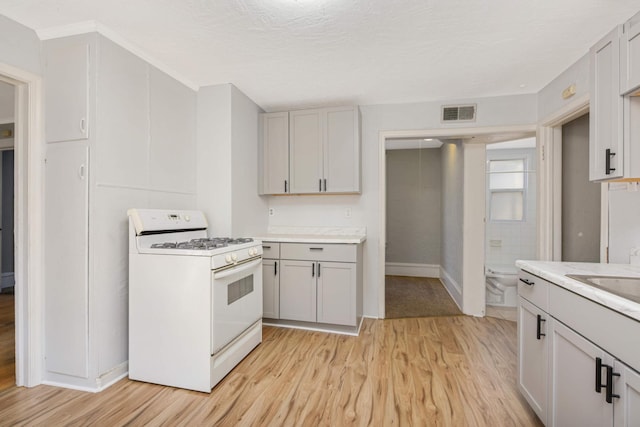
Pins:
x: 609, y: 389
x: 325, y: 184
x: 316, y: 249
x: 285, y: 185
x: 83, y: 125
x: 599, y: 366
x: 81, y: 171
x: 607, y: 161
x: 320, y: 184
x: 539, y: 333
x: 266, y: 247
x: 313, y: 269
x: 318, y: 269
x: 275, y: 268
x: 527, y: 282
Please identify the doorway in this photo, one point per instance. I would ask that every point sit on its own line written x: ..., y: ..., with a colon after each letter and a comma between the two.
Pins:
x: 462, y: 257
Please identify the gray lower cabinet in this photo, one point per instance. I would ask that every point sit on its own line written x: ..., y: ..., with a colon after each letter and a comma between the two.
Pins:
x: 567, y: 370
x: 319, y: 283
x: 271, y: 280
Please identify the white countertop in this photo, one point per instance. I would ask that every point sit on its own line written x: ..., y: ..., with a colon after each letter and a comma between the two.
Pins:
x: 286, y: 234
x: 556, y: 272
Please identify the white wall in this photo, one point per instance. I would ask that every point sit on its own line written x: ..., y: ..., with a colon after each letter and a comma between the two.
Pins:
x: 624, y: 226
x: 314, y: 210
x: 227, y: 162
x: 452, y: 218
x: 19, y: 46
x: 7, y: 93
x: 550, y: 97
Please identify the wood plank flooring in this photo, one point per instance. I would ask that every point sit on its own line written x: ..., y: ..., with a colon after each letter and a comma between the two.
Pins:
x: 438, y: 371
x: 7, y: 342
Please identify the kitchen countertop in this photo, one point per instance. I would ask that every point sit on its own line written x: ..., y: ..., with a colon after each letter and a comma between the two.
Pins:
x: 556, y: 272
x: 344, y: 235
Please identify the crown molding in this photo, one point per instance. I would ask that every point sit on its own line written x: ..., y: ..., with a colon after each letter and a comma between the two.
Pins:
x: 97, y: 27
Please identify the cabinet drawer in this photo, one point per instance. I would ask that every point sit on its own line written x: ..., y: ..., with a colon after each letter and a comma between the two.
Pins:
x: 271, y: 250
x: 534, y: 289
x: 319, y: 251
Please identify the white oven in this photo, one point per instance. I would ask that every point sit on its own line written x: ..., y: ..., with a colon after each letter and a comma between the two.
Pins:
x: 237, y: 301
x: 195, y: 302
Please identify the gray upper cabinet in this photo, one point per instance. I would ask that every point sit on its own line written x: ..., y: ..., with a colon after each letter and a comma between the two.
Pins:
x: 630, y: 56
x: 274, y: 131
x: 606, y: 110
x: 322, y: 151
x: 66, y: 75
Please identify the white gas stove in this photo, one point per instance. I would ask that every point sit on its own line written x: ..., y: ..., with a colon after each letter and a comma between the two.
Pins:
x: 195, y: 302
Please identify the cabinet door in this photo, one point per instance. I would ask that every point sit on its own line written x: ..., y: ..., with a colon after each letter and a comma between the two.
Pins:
x: 66, y: 258
x: 606, y: 110
x: 305, y: 151
x: 270, y: 289
x: 66, y: 78
x: 630, y: 56
x: 275, y: 153
x: 575, y: 401
x: 336, y: 293
x: 298, y: 290
x: 627, y: 406
x: 533, y: 356
x: 341, y: 150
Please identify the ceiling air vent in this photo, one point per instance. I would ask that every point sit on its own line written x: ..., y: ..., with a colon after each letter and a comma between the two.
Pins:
x: 459, y: 113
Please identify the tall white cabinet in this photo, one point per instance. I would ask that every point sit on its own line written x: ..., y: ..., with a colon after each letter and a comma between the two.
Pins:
x: 112, y: 125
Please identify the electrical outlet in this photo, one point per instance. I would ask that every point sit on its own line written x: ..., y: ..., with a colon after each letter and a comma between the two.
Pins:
x: 272, y: 212
x: 347, y: 213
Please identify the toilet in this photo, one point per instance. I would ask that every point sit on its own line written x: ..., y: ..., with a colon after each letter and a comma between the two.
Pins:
x: 502, y: 281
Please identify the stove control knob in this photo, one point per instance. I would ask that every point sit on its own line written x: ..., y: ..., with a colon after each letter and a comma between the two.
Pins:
x: 234, y: 257
x: 228, y: 259
x: 187, y: 218
x: 252, y: 251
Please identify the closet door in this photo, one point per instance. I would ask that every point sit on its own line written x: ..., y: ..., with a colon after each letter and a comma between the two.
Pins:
x: 66, y: 258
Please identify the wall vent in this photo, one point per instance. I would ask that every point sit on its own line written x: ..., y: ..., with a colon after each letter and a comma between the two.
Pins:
x: 459, y: 113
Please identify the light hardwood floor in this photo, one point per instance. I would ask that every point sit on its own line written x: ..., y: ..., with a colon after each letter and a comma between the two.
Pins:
x: 439, y: 371
x: 7, y: 342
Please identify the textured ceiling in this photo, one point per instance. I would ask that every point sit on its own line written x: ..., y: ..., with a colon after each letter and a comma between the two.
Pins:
x: 301, y: 53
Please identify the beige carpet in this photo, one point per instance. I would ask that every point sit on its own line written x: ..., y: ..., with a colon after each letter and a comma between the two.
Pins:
x: 417, y: 297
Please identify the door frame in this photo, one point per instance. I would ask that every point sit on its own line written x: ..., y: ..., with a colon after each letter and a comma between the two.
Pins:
x: 29, y: 219
x: 473, y: 301
x: 550, y: 183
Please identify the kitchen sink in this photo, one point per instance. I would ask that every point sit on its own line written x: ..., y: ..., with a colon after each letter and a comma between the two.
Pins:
x: 625, y: 287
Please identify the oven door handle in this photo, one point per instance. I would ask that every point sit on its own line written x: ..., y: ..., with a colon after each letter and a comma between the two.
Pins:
x: 239, y: 268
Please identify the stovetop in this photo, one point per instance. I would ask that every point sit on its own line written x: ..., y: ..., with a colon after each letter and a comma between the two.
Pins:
x: 203, y: 244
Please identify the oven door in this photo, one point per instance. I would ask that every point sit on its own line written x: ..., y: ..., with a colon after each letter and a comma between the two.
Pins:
x: 237, y: 301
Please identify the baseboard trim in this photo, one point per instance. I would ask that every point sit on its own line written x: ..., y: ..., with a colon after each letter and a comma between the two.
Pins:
x: 412, y: 270
x: 452, y: 287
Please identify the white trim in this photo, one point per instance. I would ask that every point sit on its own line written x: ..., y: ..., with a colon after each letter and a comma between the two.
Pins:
x: 97, y: 27
x: 29, y: 218
x: 549, y: 208
x: 412, y: 270
x: 102, y: 383
x: 315, y: 327
x: 452, y: 287
x: 382, y: 176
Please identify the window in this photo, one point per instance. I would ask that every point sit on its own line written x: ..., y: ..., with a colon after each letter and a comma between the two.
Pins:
x: 506, y: 187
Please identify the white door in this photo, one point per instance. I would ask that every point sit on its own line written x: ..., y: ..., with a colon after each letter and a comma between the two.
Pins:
x: 573, y: 381
x: 341, y: 150
x: 298, y: 290
x: 606, y: 108
x: 533, y: 356
x: 336, y: 293
x: 275, y: 152
x: 66, y: 258
x: 627, y: 406
x: 305, y: 151
x: 270, y: 289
